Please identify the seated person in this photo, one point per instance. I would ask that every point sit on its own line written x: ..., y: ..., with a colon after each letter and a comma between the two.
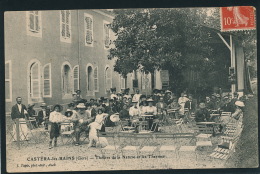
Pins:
x: 150, y: 110
x: 226, y: 107
x: 209, y: 104
x: 81, y: 119
x: 175, y: 105
x: 124, y: 113
x: 191, y: 104
x: 142, y: 106
x: 100, y: 119
x: 134, y: 112
x: 44, y: 115
x: 31, y: 113
x: 239, y: 110
x: 202, y: 114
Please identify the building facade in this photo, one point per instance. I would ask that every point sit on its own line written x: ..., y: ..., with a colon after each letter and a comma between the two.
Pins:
x: 50, y: 54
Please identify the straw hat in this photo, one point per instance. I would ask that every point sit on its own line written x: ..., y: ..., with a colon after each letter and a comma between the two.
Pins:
x: 168, y: 91
x: 202, y: 105
x: 58, y: 105
x: 43, y: 105
x: 149, y: 100
x: 114, y: 118
x: 134, y: 101
x: 240, y: 103
x: 81, y: 106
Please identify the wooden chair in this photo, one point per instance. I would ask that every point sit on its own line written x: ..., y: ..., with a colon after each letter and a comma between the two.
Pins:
x: 67, y: 132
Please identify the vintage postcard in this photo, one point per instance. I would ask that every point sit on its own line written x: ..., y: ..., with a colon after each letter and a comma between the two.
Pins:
x: 131, y: 89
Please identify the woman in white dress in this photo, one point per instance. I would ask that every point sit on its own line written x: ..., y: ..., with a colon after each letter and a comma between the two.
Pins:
x: 182, y: 100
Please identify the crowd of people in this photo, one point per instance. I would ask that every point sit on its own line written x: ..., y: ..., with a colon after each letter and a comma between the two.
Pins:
x: 96, y: 114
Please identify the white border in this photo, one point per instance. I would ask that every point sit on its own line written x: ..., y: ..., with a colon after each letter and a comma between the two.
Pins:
x: 9, y: 62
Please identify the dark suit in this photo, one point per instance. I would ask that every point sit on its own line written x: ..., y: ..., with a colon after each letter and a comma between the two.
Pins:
x: 41, y: 116
x: 191, y: 105
x: 202, y: 115
x: 15, y: 113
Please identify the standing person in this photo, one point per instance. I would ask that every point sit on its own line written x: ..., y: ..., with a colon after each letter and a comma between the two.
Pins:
x: 113, y: 95
x: 44, y: 115
x: 55, y: 118
x: 32, y: 114
x: 182, y: 100
x: 127, y: 95
x: 81, y: 119
x: 19, y: 112
x: 233, y: 101
x: 137, y: 95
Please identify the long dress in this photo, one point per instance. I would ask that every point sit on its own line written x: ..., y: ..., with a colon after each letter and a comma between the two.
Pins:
x: 182, y: 101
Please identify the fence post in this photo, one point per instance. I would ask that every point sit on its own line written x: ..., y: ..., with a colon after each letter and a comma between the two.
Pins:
x: 17, y: 132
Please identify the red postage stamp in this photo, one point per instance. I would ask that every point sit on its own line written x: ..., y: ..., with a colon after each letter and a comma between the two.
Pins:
x: 237, y: 18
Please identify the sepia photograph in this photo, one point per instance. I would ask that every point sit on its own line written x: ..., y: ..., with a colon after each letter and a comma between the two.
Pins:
x: 131, y: 89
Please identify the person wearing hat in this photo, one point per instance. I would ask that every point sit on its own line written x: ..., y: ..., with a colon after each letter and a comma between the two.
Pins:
x: 134, y: 111
x: 124, y: 113
x: 167, y: 97
x: 137, y: 95
x: 176, y: 106
x: 44, y: 115
x: 218, y: 103
x: 150, y: 110
x: 113, y: 95
x: 81, y: 119
x: 238, y: 114
x: 226, y: 107
x: 182, y: 100
x: 202, y: 114
x: 31, y: 115
x: 127, y: 95
x: 209, y: 104
x: 55, y: 118
x: 161, y: 104
x: 233, y: 101
x: 94, y: 108
x: 191, y: 104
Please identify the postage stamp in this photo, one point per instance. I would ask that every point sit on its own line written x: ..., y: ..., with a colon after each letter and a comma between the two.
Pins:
x: 237, y: 18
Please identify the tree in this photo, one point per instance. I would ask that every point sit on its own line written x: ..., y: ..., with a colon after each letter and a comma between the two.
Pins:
x: 155, y: 39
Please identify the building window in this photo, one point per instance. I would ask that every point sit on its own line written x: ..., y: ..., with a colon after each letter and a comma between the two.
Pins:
x: 34, y: 80
x: 66, y: 79
x: 122, y: 82
x: 47, y: 88
x: 88, y: 24
x: 106, y: 34
x: 76, y: 78
x: 96, y: 86
x: 8, y: 81
x: 65, y: 26
x: 90, y: 79
x: 34, y: 27
x: 108, y: 78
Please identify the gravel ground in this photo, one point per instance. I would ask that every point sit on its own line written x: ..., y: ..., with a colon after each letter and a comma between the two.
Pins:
x: 33, y: 157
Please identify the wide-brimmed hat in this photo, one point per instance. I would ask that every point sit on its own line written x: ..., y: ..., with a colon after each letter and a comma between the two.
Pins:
x: 240, y: 103
x: 226, y: 97
x: 92, y: 99
x: 202, y: 105
x: 31, y: 105
x: 43, y: 105
x: 113, y: 89
x: 81, y: 106
x: 184, y: 95
x: 217, y: 95
x: 58, y: 105
x: 134, y: 101
x: 114, y: 118
x: 168, y: 91
x: 149, y: 100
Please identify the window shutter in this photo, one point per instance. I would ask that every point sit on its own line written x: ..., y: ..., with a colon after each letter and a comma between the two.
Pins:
x: 37, y: 27
x: 31, y: 21
x: 106, y: 28
x: 47, y: 81
x: 89, y: 31
x: 63, y: 27
x: 7, y: 70
x: 76, y: 78
x: 108, y: 78
x: 68, y: 23
x: 96, y: 79
x: 35, y: 80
